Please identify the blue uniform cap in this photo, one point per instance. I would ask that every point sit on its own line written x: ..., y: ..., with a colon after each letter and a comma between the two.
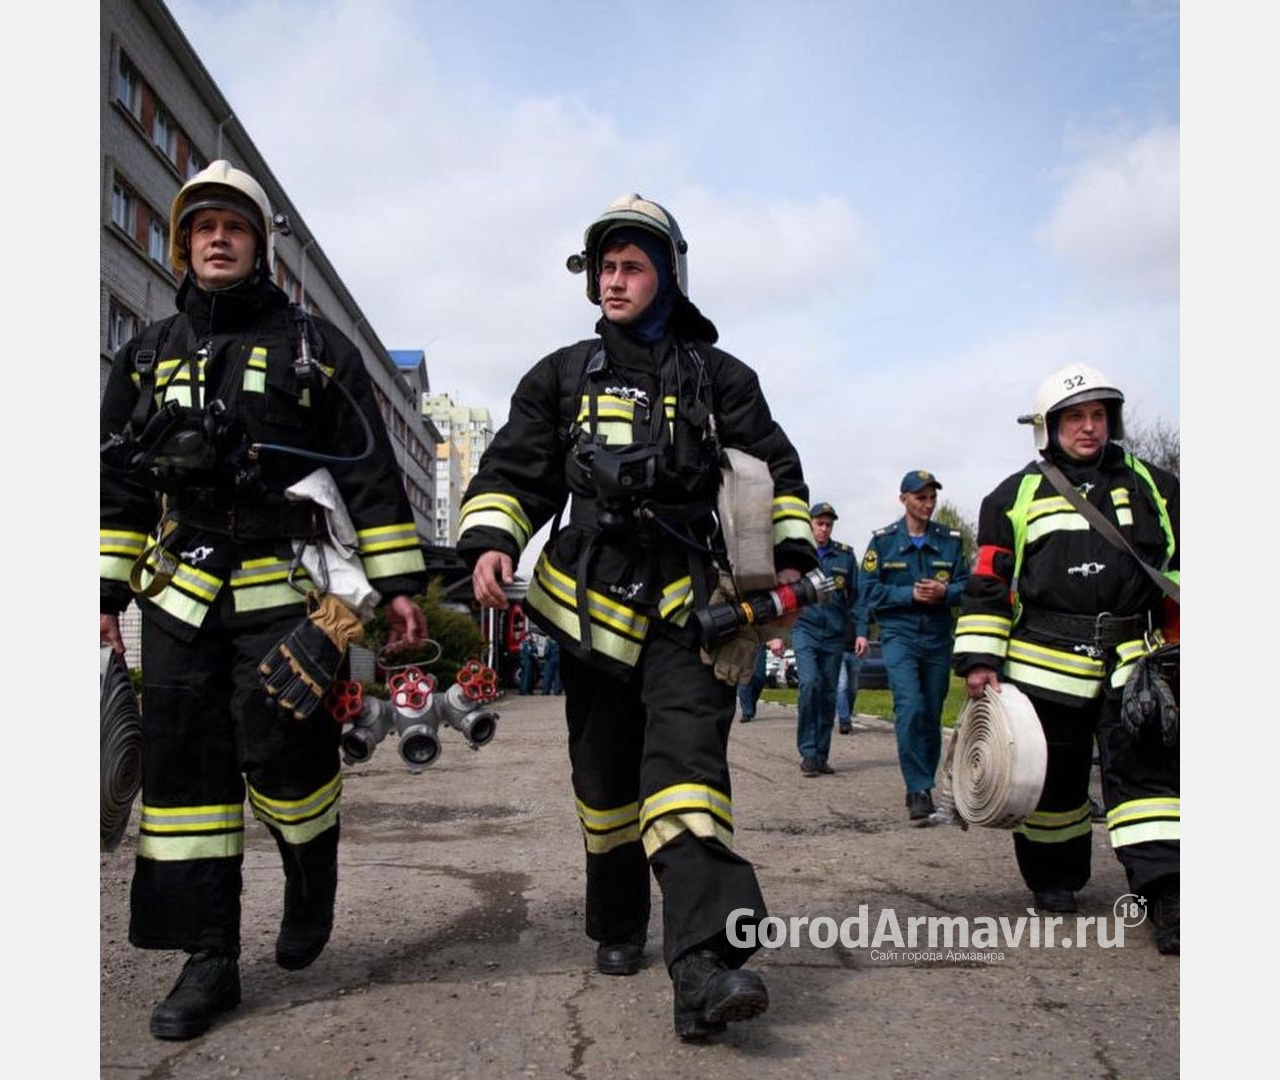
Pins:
x: 818, y: 509
x: 917, y: 479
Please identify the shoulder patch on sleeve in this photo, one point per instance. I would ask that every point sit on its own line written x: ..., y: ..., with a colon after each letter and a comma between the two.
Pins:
x: 870, y: 561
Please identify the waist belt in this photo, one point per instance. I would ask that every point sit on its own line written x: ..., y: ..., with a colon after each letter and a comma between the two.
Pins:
x: 286, y: 521
x: 1103, y: 630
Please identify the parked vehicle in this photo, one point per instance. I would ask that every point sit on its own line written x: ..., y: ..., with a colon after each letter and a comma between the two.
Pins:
x: 780, y: 671
x: 873, y: 675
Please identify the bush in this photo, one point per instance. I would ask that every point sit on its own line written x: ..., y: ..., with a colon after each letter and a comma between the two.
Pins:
x: 457, y: 633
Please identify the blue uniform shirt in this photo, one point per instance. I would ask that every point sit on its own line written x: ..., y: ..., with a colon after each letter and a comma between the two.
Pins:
x: 826, y: 622
x: 891, y: 567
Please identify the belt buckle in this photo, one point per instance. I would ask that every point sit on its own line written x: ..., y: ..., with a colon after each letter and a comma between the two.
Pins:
x: 1097, y: 628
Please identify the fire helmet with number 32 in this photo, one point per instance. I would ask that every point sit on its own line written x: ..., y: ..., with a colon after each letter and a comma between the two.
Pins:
x: 1072, y: 385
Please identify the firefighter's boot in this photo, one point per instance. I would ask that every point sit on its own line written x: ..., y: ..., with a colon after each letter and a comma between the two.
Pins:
x: 708, y: 994
x: 209, y: 984
x: 1164, y: 907
x: 310, y: 888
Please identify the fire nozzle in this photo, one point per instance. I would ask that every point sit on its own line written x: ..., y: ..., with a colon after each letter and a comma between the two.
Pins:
x: 717, y: 623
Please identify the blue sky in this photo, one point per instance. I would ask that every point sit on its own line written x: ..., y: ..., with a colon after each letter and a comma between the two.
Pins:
x: 903, y: 216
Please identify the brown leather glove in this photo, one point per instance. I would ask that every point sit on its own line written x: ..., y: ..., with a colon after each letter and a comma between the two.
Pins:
x: 301, y: 666
x: 735, y: 660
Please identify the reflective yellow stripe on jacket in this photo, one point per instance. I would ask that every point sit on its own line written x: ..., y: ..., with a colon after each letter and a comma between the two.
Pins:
x: 1071, y: 673
x: 391, y: 550
x: 983, y: 633
x: 617, y: 631
x: 496, y: 511
x: 790, y: 520
x: 118, y: 549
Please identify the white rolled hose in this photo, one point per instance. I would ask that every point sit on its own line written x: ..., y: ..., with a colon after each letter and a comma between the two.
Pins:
x: 994, y: 769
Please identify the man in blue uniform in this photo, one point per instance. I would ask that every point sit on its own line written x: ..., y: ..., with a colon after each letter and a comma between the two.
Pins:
x: 818, y: 641
x: 528, y: 664
x: 912, y: 575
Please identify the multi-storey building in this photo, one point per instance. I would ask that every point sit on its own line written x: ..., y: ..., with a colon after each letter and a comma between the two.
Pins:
x: 467, y: 430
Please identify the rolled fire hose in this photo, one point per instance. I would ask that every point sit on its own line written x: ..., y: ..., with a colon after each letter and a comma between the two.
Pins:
x: 745, y: 508
x: 121, y: 753
x: 994, y: 769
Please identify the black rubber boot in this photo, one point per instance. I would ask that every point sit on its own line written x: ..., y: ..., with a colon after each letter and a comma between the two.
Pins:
x: 1062, y: 900
x: 310, y: 887
x: 708, y: 994
x: 209, y: 984
x: 619, y: 958
x: 297, y: 947
x: 1164, y: 903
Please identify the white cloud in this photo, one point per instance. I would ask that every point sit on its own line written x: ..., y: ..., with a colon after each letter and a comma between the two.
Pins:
x: 1116, y: 224
x: 449, y: 210
x: 957, y: 415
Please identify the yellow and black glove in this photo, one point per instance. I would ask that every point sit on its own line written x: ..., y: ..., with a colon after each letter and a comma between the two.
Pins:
x: 302, y: 665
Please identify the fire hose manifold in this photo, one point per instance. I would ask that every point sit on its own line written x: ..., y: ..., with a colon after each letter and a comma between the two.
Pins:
x: 120, y: 757
x: 415, y: 711
x: 994, y: 769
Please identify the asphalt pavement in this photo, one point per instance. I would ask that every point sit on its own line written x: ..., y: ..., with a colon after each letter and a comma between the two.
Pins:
x: 458, y: 949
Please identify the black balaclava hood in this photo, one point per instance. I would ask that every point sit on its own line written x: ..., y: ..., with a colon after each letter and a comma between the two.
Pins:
x: 651, y: 324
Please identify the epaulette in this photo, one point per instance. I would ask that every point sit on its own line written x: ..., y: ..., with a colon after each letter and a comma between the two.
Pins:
x: 839, y: 546
x: 891, y: 527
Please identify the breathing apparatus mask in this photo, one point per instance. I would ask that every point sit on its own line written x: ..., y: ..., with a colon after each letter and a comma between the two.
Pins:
x: 621, y: 479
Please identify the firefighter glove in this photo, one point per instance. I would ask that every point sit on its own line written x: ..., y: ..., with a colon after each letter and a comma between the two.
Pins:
x: 302, y: 665
x: 734, y: 662
x: 1149, y: 701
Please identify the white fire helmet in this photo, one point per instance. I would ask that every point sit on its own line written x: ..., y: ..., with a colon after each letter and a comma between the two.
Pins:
x: 632, y: 209
x: 1071, y: 385
x: 220, y: 186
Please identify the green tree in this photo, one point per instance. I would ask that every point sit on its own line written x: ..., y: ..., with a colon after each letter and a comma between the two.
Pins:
x: 1157, y: 441
x: 949, y: 515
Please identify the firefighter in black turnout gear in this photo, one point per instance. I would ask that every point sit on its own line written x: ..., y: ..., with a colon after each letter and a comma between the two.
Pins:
x: 631, y: 424
x: 207, y: 417
x: 1072, y: 619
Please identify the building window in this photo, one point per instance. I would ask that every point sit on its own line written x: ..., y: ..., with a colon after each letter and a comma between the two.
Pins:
x: 129, y: 87
x: 158, y: 242
x: 122, y: 324
x: 164, y: 133
x: 195, y: 163
x: 124, y: 208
